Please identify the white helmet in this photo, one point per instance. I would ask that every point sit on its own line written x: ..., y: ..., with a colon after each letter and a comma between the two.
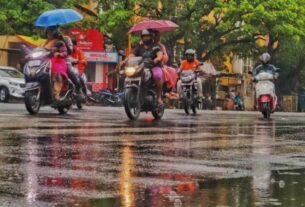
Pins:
x: 265, y: 58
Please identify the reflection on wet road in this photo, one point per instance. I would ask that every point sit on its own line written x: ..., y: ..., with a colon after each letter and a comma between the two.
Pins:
x: 98, y: 158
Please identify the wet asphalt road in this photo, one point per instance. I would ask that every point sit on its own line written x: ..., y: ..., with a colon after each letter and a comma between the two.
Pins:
x: 97, y: 158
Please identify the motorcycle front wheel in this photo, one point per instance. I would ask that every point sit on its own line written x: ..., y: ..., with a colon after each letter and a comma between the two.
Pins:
x: 32, y: 103
x: 187, y: 105
x: 63, y: 110
x: 132, y: 104
x: 79, y: 105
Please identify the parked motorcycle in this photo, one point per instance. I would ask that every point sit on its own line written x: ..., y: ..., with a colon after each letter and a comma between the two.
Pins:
x: 189, y: 90
x: 108, y: 97
x: 265, y: 93
x: 38, y: 91
x: 140, y: 94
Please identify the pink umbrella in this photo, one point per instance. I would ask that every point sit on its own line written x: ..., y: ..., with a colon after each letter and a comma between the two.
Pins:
x: 159, y: 25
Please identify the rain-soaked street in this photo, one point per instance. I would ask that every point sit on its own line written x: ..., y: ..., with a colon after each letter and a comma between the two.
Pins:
x: 97, y: 158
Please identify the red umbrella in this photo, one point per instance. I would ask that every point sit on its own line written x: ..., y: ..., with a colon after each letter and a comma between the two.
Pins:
x: 159, y: 25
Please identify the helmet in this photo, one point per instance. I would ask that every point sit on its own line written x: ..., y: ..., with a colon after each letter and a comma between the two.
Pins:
x: 54, y: 29
x: 147, y: 37
x: 265, y: 58
x: 190, y: 55
x: 146, y: 32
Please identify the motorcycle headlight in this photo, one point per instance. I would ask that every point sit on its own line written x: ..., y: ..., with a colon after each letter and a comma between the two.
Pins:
x: 186, y: 79
x: 130, y: 71
x: 26, y: 70
x: 37, y: 54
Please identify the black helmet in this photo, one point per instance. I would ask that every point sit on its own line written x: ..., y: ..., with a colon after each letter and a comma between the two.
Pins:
x: 147, y: 33
x: 190, y: 55
x: 265, y: 58
x: 55, y: 31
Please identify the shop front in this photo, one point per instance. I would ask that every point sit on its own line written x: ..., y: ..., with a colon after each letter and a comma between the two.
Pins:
x: 226, y: 85
x: 100, y: 64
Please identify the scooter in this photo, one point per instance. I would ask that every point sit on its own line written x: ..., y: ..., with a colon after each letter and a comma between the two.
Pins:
x: 265, y: 93
x: 38, y: 91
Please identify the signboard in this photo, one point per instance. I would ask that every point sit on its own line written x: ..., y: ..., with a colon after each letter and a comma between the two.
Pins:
x: 89, y: 40
x: 103, y: 57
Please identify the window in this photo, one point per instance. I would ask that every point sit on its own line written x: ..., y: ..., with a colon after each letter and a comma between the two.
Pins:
x: 10, y: 73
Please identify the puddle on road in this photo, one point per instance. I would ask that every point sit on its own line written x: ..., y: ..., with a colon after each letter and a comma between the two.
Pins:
x: 168, y: 166
x: 283, y: 188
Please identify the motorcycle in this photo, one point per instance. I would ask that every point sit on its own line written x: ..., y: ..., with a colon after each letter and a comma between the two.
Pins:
x: 189, y: 91
x: 38, y: 91
x: 108, y: 98
x: 140, y: 94
x: 265, y: 93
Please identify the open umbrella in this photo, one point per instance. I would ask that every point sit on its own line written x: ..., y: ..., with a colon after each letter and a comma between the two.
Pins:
x: 58, y: 17
x: 159, y: 25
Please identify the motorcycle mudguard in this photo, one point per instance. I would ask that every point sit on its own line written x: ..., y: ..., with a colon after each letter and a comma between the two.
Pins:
x: 132, y: 86
x: 265, y: 99
x: 32, y: 86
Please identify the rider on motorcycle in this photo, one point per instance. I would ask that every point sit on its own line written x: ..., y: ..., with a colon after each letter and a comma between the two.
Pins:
x: 265, y: 93
x: 56, y: 45
x: 151, y: 50
x: 80, y: 58
x: 265, y: 66
x: 190, y: 64
x: 80, y: 61
x: 54, y: 34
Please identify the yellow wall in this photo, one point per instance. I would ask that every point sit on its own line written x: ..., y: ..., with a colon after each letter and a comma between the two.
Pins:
x: 4, y: 44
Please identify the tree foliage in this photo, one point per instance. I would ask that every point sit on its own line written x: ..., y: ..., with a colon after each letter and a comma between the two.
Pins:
x: 18, y: 16
x: 212, y: 27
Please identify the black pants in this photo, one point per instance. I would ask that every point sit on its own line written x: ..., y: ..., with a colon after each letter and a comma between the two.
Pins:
x: 74, y: 77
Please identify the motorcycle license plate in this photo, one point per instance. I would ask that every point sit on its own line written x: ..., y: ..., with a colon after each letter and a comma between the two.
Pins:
x: 32, y: 72
x: 34, y: 63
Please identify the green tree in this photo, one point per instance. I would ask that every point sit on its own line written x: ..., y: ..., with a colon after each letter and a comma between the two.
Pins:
x: 213, y: 26
x: 18, y: 17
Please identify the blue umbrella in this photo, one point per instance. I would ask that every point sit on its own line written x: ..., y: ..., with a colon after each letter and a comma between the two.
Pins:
x: 58, y: 17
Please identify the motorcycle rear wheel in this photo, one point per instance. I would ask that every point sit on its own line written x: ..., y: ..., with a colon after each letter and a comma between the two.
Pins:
x: 132, y: 104
x: 266, y: 111
x: 194, y: 107
x: 158, y: 112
